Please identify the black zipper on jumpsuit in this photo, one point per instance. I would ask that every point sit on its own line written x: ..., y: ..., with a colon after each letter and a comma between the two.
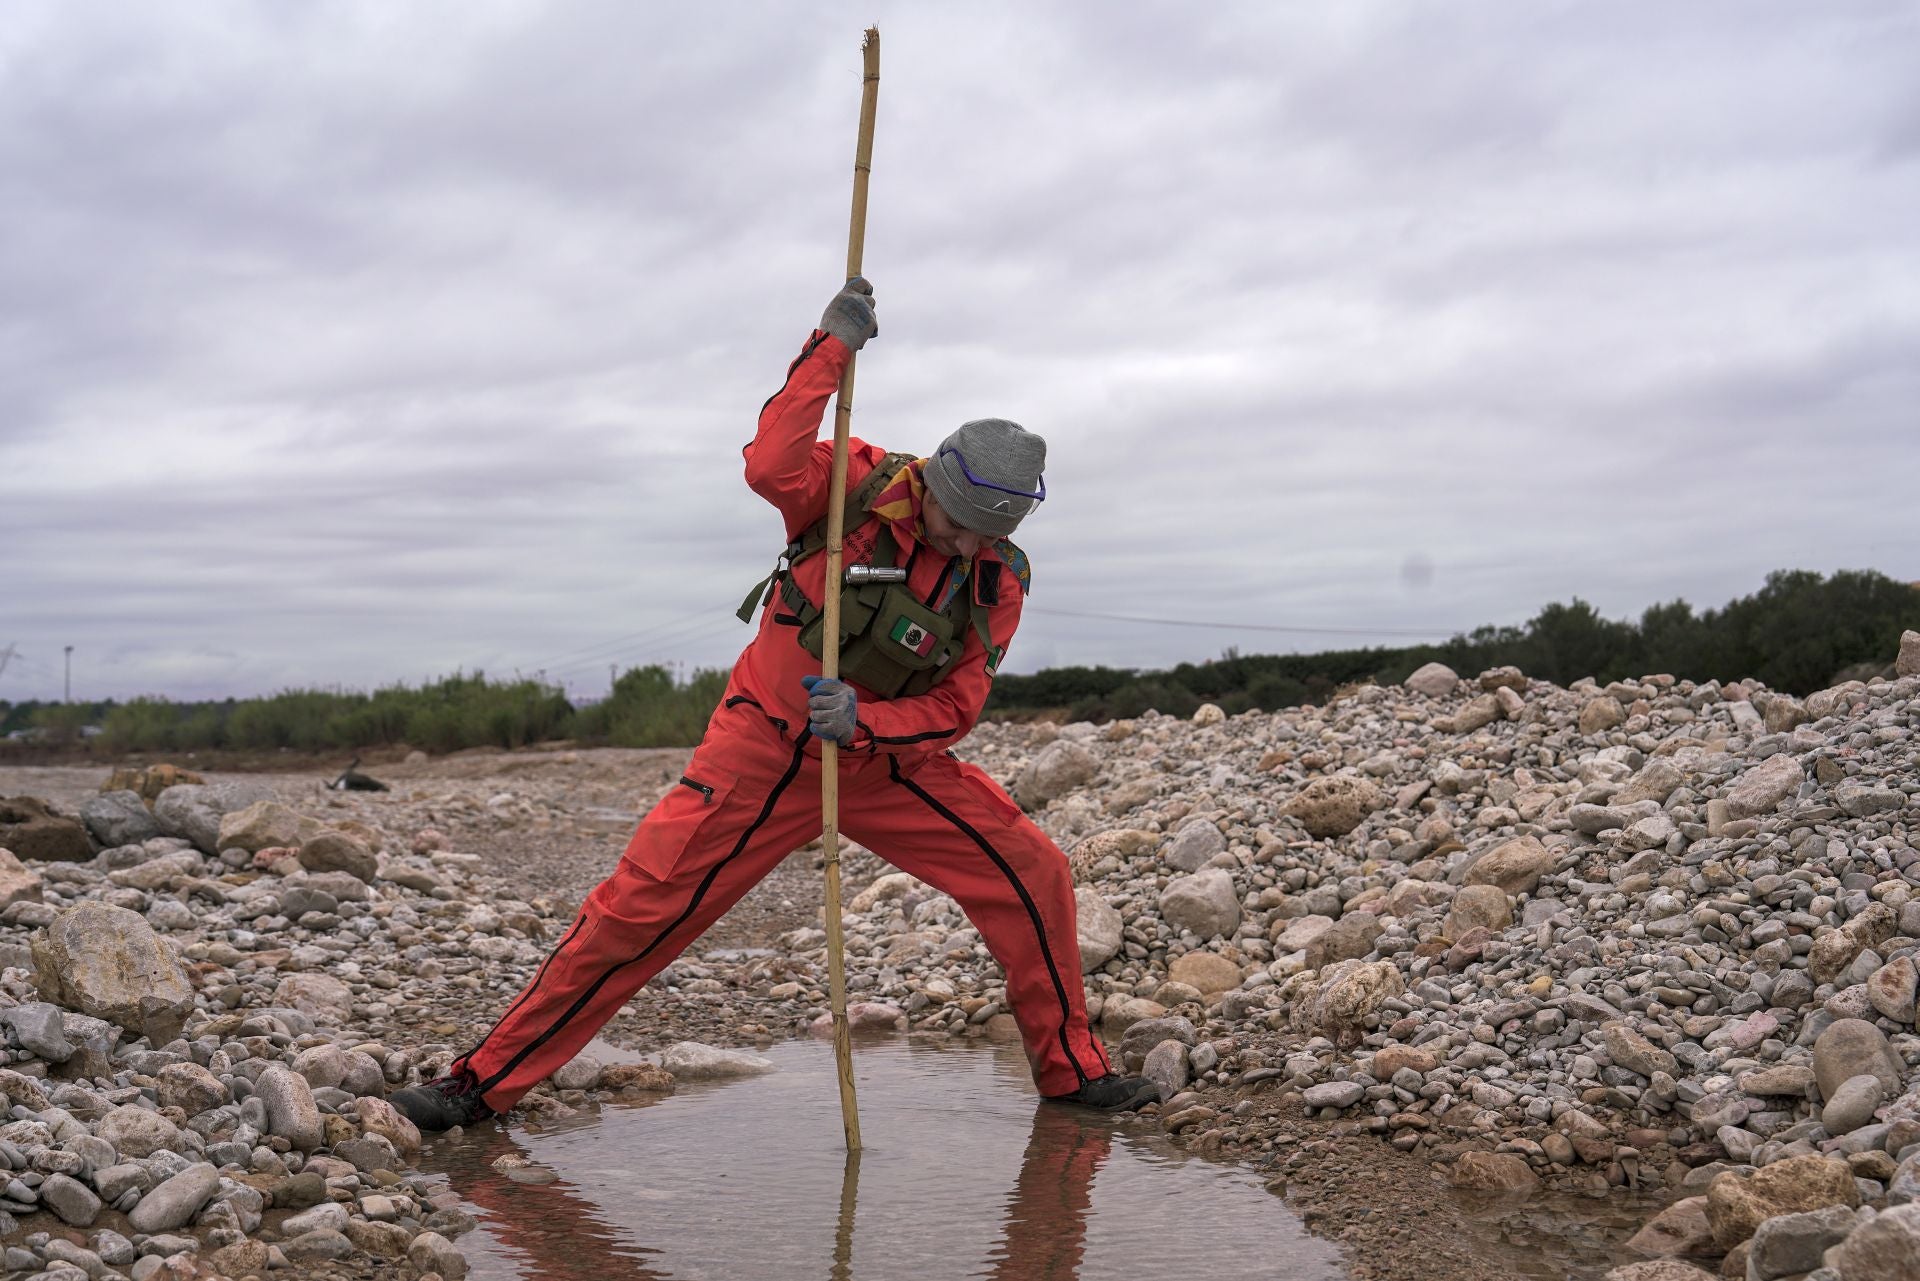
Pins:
x: 702, y: 788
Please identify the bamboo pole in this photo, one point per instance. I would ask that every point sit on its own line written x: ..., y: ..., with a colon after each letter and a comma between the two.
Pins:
x: 830, y: 646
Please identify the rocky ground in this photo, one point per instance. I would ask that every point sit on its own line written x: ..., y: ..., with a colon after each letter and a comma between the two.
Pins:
x: 1493, y: 934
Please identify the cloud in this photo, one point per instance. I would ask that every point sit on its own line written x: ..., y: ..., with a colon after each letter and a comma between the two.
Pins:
x: 343, y: 344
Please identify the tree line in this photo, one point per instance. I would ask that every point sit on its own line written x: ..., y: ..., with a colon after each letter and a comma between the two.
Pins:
x: 1799, y: 633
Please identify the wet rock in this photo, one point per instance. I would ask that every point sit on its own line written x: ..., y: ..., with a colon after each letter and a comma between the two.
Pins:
x: 32, y: 831
x: 368, y: 1153
x: 1334, y: 805
x: 119, y: 818
x: 582, y: 1072
x: 1679, y: 1231
x: 108, y: 962
x: 1852, y: 1104
x: 1854, y: 1047
x: 18, y: 882
x: 1515, y: 867
x: 1884, y: 1249
x: 291, y: 1111
x: 379, y: 1117
x: 174, y: 1203
x: 1737, y: 1206
x: 431, y: 1252
x: 1788, y: 1244
x: 1434, y: 680
x: 338, y: 852
x: 1166, y: 1067
x: 1059, y: 768
x: 636, y: 1076
x: 321, y: 995
x: 1099, y: 927
x: 692, y: 1061
x: 1492, y: 1172
x: 1204, y: 903
x: 321, y: 1245
x: 1764, y: 786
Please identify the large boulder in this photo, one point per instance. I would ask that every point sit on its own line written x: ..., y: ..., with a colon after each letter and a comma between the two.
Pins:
x: 1335, y: 805
x: 1516, y: 867
x: 108, y: 962
x: 1435, y: 680
x: 1060, y: 767
x: 1908, y: 661
x: 31, y: 830
x: 119, y: 818
x: 1764, y: 786
x: 1197, y: 841
x: 1347, y: 939
x: 1736, y: 1206
x: 693, y: 1061
x: 18, y: 882
x: 174, y: 1203
x: 193, y: 811
x: 1679, y: 1231
x: 292, y: 1112
x: 1204, y: 903
x: 1099, y: 927
x: 338, y: 852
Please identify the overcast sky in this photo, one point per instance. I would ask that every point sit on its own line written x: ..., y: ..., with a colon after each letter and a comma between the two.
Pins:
x: 350, y: 343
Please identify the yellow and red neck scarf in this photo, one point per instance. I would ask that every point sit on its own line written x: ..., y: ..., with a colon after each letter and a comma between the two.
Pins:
x: 901, y: 502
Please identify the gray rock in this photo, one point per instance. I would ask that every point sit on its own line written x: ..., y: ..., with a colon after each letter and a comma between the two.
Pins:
x: 291, y: 1111
x: 1197, y: 841
x: 1764, y: 786
x: 328, y: 1215
x: 174, y: 1203
x: 1907, y: 662
x: 1204, y: 903
x: 1852, y: 1105
x: 317, y: 1247
x: 1060, y: 767
x: 70, y: 1199
x: 136, y: 1132
x: 37, y: 1025
x: 1333, y: 1094
x: 192, y: 811
x: 1788, y: 1244
x: 338, y: 852
x: 1850, y: 1048
x: 1100, y: 929
x: 1435, y: 680
x: 1881, y: 1250
x: 119, y: 818
x: 1166, y: 1067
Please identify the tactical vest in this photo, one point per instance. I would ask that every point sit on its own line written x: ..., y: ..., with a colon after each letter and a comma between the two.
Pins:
x: 890, y: 641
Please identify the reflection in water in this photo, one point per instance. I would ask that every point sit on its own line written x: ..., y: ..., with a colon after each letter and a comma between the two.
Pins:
x: 964, y: 1175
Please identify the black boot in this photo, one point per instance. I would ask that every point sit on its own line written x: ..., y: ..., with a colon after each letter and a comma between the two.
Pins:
x: 1112, y: 1093
x: 442, y: 1104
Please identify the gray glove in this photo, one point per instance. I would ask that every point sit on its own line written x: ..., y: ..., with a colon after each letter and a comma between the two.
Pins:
x: 850, y: 316
x: 831, y: 708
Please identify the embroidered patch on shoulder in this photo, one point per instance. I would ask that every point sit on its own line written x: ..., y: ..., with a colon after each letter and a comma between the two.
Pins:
x: 1016, y: 560
x: 994, y: 656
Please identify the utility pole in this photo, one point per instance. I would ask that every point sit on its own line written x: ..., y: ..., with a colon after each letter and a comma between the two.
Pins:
x: 6, y: 656
x: 69, y: 697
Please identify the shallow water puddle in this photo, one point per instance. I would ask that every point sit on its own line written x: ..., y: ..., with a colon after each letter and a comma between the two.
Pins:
x: 964, y: 1175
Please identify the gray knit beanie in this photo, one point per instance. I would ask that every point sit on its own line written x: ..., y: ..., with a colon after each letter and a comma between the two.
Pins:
x: 997, y: 453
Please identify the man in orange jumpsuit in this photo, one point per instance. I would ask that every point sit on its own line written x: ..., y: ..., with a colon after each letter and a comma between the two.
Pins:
x: 751, y: 793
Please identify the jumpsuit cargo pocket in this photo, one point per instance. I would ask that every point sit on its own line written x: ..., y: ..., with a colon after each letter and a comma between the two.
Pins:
x: 689, y: 808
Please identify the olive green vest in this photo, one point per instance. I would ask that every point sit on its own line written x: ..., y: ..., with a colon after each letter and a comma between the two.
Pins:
x: 890, y: 641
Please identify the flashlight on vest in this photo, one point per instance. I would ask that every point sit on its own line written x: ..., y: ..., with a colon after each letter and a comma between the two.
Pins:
x: 858, y: 574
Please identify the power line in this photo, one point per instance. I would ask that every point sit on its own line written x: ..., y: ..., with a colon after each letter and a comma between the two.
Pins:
x: 1244, y: 627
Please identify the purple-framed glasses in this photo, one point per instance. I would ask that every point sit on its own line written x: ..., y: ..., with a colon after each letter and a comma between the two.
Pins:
x: 1039, y: 496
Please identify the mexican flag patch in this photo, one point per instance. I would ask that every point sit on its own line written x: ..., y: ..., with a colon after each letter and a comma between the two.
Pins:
x: 914, y: 637
x: 994, y: 656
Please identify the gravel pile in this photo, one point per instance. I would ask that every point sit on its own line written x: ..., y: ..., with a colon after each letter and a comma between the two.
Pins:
x: 1656, y: 934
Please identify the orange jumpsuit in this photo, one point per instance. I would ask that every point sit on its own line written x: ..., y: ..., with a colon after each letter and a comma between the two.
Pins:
x: 751, y: 795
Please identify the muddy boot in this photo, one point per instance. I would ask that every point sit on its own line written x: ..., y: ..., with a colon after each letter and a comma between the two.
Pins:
x: 1112, y: 1093
x: 442, y: 1104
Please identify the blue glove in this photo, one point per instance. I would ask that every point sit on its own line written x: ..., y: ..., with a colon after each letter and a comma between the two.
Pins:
x: 830, y: 708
